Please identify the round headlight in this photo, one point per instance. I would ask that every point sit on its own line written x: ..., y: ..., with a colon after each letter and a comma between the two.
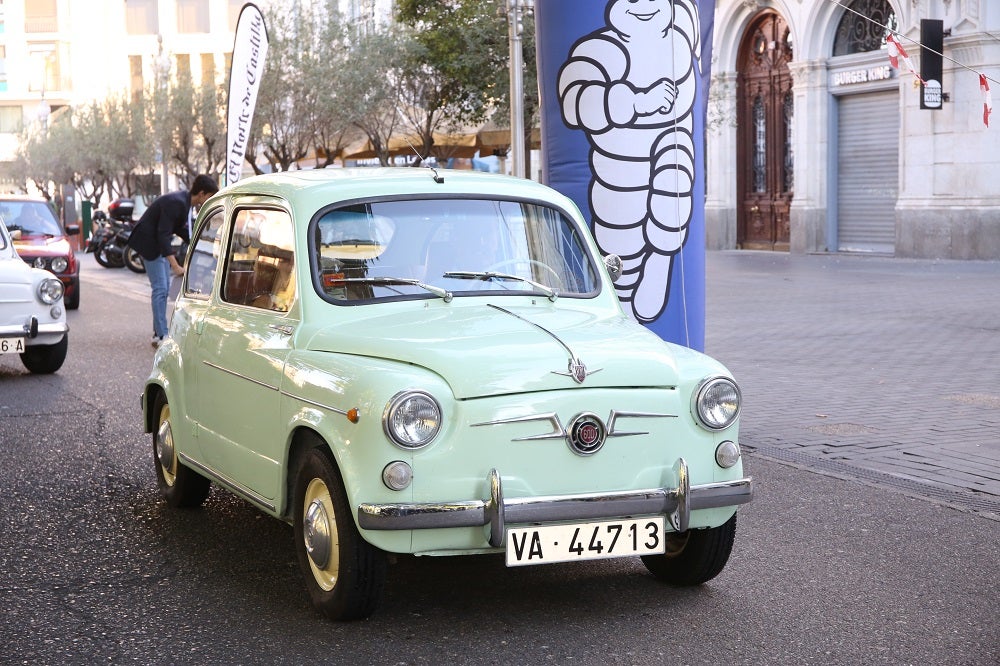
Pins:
x: 50, y: 290
x: 39, y: 262
x: 717, y: 403
x: 59, y: 264
x: 412, y: 419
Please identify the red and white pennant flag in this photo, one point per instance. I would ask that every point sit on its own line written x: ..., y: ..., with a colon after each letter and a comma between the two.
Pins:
x: 984, y: 88
x: 896, y: 51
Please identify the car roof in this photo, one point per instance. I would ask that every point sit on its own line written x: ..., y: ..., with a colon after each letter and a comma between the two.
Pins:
x: 319, y: 187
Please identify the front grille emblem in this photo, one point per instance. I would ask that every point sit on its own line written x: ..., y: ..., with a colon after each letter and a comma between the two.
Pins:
x: 586, y: 434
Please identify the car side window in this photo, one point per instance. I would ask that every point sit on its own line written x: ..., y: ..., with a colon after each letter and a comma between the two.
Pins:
x: 260, y: 266
x: 204, y: 258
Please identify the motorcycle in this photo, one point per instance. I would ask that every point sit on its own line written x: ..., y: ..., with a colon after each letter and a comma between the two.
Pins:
x: 109, y: 244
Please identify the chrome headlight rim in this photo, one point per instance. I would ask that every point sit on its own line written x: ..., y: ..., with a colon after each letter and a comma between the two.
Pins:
x: 392, y: 415
x: 59, y: 264
x: 50, y: 290
x: 705, y: 400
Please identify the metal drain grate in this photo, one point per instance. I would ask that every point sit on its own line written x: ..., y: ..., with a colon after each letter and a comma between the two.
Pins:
x: 977, y: 503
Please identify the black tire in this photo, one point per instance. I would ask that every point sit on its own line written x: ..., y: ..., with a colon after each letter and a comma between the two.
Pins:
x: 344, y: 574
x: 694, y: 557
x: 73, y: 302
x: 181, y: 486
x: 45, y: 359
x: 102, y: 257
x: 133, y: 261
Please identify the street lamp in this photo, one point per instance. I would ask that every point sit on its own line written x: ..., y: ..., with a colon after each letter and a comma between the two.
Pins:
x: 516, y: 11
x: 161, y: 70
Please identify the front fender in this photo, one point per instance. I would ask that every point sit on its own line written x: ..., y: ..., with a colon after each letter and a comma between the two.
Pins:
x: 341, y: 398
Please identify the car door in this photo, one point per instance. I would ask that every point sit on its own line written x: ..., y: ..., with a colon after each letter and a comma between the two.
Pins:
x: 243, y: 341
x: 189, y: 312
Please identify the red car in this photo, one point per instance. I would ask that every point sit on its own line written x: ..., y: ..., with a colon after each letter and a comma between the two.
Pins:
x: 41, y: 242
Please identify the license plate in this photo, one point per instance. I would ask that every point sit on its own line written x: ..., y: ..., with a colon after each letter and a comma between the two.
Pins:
x: 544, y: 544
x: 11, y: 345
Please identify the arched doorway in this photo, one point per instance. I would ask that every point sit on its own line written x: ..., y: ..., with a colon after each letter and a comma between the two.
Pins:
x: 765, y: 171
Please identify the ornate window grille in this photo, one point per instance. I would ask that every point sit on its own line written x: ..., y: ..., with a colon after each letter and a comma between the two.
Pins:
x: 759, y: 145
x: 859, y: 34
x: 788, y: 110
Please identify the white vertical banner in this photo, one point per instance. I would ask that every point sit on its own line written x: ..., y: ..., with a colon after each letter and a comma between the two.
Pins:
x: 249, y: 51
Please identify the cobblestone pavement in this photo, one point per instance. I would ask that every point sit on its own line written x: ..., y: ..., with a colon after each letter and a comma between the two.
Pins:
x: 872, y: 368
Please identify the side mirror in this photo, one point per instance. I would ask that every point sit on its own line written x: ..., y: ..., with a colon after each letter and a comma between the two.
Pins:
x: 614, y: 265
x: 15, y: 234
x: 72, y: 229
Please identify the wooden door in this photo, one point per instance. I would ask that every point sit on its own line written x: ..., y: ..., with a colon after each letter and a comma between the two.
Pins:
x: 765, y: 173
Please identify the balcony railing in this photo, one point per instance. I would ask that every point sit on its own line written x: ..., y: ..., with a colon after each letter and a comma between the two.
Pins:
x: 41, y: 24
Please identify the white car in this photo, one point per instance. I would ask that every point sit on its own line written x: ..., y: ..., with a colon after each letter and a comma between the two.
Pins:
x: 32, y: 314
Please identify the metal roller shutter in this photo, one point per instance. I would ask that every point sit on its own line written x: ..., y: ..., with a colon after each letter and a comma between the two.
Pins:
x: 867, y: 172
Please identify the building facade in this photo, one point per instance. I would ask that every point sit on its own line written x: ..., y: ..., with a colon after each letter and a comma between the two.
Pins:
x: 61, y: 53
x: 817, y: 144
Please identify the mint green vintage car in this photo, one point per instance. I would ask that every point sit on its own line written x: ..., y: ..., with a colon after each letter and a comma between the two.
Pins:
x: 435, y: 363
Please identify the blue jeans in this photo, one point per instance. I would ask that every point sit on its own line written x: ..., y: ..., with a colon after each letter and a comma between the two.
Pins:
x: 158, y: 272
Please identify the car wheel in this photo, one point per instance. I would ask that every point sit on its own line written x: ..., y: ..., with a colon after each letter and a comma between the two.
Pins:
x: 344, y: 574
x: 695, y: 556
x: 181, y: 486
x: 45, y: 359
x: 133, y: 261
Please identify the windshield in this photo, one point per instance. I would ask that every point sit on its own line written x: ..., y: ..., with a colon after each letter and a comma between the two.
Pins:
x: 29, y: 217
x: 464, y: 246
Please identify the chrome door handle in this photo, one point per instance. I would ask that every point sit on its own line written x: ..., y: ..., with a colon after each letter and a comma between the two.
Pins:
x: 284, y: 329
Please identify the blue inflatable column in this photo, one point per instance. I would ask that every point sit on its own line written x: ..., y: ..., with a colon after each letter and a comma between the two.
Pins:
x: 624, y: 88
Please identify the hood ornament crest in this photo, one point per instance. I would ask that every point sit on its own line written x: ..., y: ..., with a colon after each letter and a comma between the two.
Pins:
x: 575, y: 368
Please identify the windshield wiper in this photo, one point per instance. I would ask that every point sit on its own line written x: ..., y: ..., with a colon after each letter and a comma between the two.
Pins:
x: 386, y: 281
x: 488, y: 276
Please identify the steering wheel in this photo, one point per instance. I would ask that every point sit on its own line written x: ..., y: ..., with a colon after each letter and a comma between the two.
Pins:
x: 557, y: 281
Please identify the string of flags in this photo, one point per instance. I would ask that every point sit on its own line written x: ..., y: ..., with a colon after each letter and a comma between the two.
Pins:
x: 984, y: 88
x: 897, y: 53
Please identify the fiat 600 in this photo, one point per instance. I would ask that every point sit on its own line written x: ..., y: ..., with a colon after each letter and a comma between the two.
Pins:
x: 435, y: 363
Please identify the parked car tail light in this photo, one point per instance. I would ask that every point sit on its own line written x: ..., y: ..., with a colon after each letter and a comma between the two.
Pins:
x: 717, y: 403
x: 412, y: 419
x: 50, y: 290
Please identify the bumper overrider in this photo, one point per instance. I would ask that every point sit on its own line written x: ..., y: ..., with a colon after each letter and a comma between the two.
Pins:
x: 497, y: 511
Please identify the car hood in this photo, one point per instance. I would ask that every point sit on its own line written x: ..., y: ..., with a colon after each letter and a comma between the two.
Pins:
x: 14, y: 271
x: 42, y: 246
x: 495, y: 350
x: 17, y: 281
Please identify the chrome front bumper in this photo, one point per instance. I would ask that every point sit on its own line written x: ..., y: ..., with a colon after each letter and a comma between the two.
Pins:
x: 32, y: 329
x: 676, y: 504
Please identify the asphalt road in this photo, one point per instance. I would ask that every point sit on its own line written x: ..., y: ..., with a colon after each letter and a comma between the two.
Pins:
x: 95, y: 568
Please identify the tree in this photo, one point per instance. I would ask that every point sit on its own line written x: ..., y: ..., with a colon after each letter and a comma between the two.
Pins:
x: 466, y: 42
x: 286, y: 102
x: 370, y: 87
x: 325, y: 63
x: 194, y: 127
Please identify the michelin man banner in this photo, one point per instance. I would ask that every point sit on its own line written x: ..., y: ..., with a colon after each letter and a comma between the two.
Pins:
x: 624, y: 85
